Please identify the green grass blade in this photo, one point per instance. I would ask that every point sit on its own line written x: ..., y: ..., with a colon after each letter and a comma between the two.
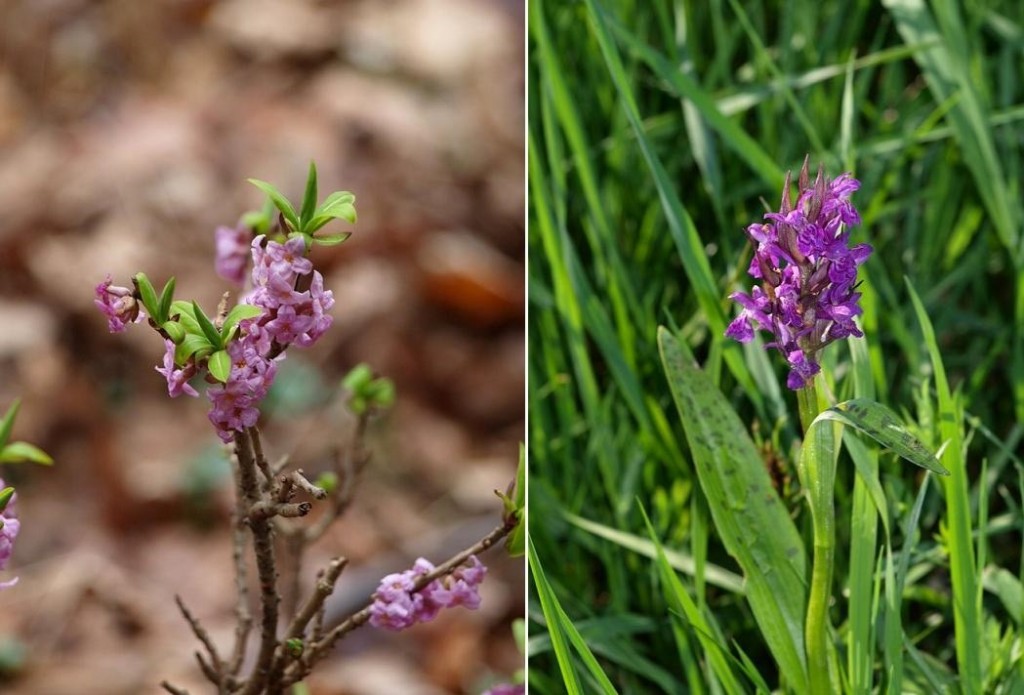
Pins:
x: 967, y: 619
x: 679, y: 561
x: 684, y: 233
x: 682, y: 603
x: 945, y: 69
x: 556, y: 621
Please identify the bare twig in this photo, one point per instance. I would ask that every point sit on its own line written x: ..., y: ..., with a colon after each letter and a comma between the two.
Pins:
x: 214, y: 669
x: 326, y: 579
x: 261, y: 460
x: 246, y: 446
x: 243, y: 616
x: 298, y: 479
x: 265, y: 509
x: 210, y: 672
x: 172, y: 689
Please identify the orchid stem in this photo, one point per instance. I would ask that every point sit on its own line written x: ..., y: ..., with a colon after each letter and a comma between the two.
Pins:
x: 819, y: 480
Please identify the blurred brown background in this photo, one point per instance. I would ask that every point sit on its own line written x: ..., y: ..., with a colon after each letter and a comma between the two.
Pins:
x: 127, y: 130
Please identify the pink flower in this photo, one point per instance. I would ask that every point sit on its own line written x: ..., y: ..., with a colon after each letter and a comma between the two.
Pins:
x: 506, y: 689
x: 287, y: 326
x: 396, y: 607
x: 8, y: 533
x: 232, y: 253
x: 118, y: 304
x: 288, y: 317
x: 177, y: 379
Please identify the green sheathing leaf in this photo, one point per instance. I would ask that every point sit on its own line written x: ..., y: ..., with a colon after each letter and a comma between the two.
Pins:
x: 754, y: 526
x: 882, y: 425
x: 868, y: 505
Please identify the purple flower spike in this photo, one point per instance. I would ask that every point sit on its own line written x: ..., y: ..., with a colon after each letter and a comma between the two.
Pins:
x: 118, y: 304
x: 802, y: 254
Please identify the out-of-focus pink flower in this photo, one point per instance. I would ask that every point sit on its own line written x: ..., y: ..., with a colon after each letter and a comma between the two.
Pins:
x: 506, y: 689
x: 232, y: 253
x: 8, y: 533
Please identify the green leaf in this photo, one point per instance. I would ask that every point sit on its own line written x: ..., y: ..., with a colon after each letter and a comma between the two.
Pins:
x: 754, y: 525
x: 338, y: 205
x: 7, y: 424
x: 332, y: 239
x: 358, y: 378
x: 219, y: 365
x: 239, y: 312
x: 17, y: 452
x: 515, y: 543
x: 193, y: 344
x: 166, y: 297
x: 280, y: 202
x: 175, y: 330
x: 882, y: 425
x: 381, y: 392
x: 147, y: 293
x: 336, y: 202
x: 520, y: 497
x: 209, y: 330
x: 327, y: 480
x: 185, y: 314
x: 5, y: 497
x: 308, y: 199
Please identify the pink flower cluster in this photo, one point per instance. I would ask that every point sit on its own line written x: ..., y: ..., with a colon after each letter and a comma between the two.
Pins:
x: 236, y: 403
x: 8, y: 533
x: 396, y: 606
x: 289, y: 316
x: 118, y: 304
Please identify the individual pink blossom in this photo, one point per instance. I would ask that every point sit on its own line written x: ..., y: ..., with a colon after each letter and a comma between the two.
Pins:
x: 8, y: 533
x: 177, y: 379
x: 396, y: 606
x: 118, y: 304
x: 232, y: 253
